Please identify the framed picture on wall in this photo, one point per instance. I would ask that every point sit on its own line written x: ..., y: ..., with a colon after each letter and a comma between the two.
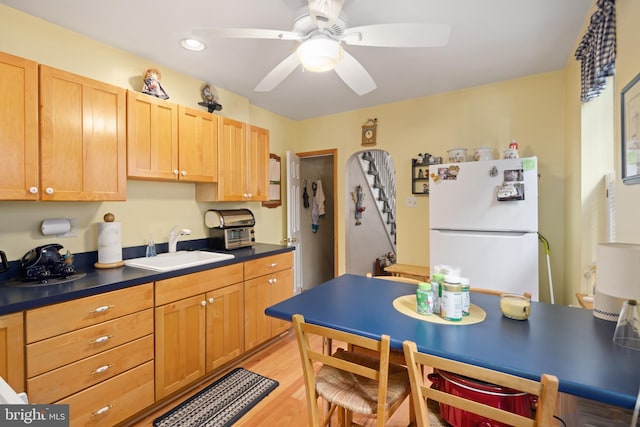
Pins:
x: 630, y: 142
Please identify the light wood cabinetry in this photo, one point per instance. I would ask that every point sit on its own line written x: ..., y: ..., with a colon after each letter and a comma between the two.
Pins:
x: 243, y: 161
x: 268, y: 281
x: 12, y: 350
x: 152, y: 137
x: 94, y: 353
x: 198, y: 325
x: 166, y: 141
x: 19, y: 124
x: 198, y: 145
x: 82, y: 138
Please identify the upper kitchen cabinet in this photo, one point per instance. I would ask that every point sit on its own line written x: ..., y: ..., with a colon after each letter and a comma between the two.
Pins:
x: 18, y: 128
x: 198, y: 145
x: 82, y: 138
x: 243, y: 160
x: 152, y: 137
x: 168, y: 142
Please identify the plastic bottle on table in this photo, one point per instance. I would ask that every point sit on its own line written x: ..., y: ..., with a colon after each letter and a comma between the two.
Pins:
x: 424, y: 298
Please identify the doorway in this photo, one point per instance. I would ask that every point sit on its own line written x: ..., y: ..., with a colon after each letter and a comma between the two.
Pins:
x: 319, y: 255
x: 370, y: 228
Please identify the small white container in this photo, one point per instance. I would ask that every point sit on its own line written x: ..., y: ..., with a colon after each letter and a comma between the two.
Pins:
x: 510, y: 153
x: 457, y: 155
x: 482, y: 153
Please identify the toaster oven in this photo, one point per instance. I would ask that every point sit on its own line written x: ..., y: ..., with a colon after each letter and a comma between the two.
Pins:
x: 230, y: 228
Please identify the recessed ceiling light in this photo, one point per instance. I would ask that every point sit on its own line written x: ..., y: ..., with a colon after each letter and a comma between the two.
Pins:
x: 192, y: 44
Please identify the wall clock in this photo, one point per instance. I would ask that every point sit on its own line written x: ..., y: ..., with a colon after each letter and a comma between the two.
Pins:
x: 369, y: 132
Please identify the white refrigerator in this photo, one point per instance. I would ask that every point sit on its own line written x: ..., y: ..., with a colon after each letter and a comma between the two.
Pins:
x: 483, y: 217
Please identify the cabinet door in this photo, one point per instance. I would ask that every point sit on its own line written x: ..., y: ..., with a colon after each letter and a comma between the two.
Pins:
x: 231, y: 160
x: 281, y: 289
x: 12, y: 350
x: 197, y: 145
x: 257, y: 326
x: 225, y: 327
x: 180, y: 344
x: 152, y: 137
x: 82, y: 138
x: 19, y: 128
x: 258, y: 164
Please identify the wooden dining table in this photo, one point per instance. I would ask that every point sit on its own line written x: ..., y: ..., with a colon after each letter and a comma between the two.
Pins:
x: 568, y: 342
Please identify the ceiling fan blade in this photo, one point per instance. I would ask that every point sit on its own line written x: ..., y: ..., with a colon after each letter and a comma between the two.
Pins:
x: 398, y: 35
x: 325, y: 12
x: 249, y: 33
x: 354, y: 75
x: 278, y: 74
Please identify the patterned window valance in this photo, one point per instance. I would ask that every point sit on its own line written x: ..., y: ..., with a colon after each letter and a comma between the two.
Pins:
x: 597, y: 50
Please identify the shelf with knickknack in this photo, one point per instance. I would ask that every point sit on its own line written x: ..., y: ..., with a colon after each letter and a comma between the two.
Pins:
x: 420, y: 172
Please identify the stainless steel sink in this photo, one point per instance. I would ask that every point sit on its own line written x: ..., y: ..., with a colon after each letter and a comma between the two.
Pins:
x: 177, y: 260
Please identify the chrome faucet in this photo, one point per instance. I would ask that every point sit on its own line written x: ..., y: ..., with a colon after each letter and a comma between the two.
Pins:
x: 174, y: 235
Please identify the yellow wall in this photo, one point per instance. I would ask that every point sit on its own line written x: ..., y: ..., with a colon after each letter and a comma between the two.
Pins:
x: 152, y: 208
x: 542, y: 112
x: 530, y: 109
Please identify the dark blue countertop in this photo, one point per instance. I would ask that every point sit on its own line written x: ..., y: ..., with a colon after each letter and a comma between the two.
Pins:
x: 564, y: 341
x: 15, y: 298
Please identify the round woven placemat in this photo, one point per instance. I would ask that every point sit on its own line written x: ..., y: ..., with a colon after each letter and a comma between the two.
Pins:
x: 407, y: 305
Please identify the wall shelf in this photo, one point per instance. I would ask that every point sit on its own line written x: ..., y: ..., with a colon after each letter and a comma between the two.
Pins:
x: 420, y: 176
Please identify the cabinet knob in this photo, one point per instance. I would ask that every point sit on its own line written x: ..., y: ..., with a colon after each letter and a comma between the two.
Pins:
x: 101, y: 369
x: 101, y: 309
x: 203, y: 303
x: 273, y: 264
x: 101, y: 411
x: 211, y: 300
x: 183, y: 173
x: 273, y: 280
x: 176, y: 172
x: 33, y: 190
x: 49, y: 190
x: 101, y: 339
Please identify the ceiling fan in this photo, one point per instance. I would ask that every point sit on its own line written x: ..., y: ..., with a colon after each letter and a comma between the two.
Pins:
x: 322, y: 31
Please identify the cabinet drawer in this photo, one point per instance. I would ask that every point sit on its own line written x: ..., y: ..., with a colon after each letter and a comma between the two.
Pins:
x: 113, y: 400
x: 266, y: 265
x: 68, y: 316
x: 58, y: 351
x: 185, y: 286
x: 69, y: 379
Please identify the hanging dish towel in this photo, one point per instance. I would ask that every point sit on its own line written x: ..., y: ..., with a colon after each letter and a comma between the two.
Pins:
x: 317, y: 204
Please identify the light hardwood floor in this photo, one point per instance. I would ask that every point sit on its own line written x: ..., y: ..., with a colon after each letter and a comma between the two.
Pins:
x: 286, y: 405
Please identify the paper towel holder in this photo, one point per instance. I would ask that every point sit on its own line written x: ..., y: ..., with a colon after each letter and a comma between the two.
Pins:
x: 60, y: 227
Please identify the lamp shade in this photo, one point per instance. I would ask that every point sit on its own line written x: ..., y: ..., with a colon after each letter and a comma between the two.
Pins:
x: 618, y: 270
x: 319, y: 54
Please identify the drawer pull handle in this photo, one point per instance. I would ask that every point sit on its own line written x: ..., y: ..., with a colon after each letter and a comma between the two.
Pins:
x: 102, y: 309
x: 273, y: 264
x: 101, y: 411
x: 101, y: 369
x: 101, y: 339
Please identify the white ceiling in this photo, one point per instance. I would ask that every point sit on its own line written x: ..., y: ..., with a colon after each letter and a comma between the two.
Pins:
x: 491, y: 40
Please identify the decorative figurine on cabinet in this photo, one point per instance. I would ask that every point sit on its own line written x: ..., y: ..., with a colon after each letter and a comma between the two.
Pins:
x: 152, y: 86
x: 210, y: 98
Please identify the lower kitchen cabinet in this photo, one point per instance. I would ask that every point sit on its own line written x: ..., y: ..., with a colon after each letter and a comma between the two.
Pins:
x: 93, y: 353
x: 268, y: 281
x: 225, y: 316
x: 198, y: 325
x: 12, y: 350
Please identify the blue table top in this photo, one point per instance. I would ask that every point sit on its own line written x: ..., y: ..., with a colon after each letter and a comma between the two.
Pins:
x: 564, y: 341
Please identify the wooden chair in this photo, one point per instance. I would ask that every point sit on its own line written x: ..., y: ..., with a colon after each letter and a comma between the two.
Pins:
x: 395, y: 278
x: 350, y: 381
x: 546, y: 389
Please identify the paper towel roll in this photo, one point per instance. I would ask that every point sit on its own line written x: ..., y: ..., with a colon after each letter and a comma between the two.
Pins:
x: 55, y: 226
x: 109, y: 242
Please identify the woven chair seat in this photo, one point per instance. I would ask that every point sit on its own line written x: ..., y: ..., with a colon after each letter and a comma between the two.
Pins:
x: 356, y: 393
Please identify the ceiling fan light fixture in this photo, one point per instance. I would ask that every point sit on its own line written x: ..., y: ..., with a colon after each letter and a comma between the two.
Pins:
x: 192, y: 44
x: 319, y: 54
